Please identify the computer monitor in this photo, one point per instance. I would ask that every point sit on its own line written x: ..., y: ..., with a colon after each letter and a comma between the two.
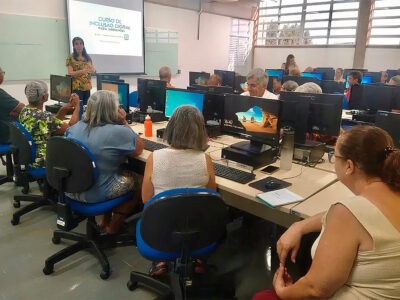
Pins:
x: 332, y: 87
x: 60, y: 88
x: 275, y: 72
x: 198, y: 77
x: 347, y: 71
x: 240, y: 84
x: 228, y: 77
x: 312, y: 75
x: 327, y: 72
x: 178, y: 97
x: 213, y: 108
x: 108, y: 77
x: 151, y: 93
x: 389, y: 121
x: 301, y: 79
x: 120, y: 88
x: 325, y: 114
x: 253, y: 118
x: 372, y: 98
x: 211, y: 89
x: 366, y: 79
x: 376, y: 76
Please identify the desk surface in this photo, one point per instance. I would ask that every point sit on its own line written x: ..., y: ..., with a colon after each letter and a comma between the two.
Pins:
x: 305, y: 181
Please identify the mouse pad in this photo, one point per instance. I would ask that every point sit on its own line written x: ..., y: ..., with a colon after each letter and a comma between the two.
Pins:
x: 260, y: 184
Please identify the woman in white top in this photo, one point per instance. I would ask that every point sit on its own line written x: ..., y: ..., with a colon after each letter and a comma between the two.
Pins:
x: 357, y: 255
x: 182, y: 165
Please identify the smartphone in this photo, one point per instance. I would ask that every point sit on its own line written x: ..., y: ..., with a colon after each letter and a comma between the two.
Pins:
x: 270, y: 169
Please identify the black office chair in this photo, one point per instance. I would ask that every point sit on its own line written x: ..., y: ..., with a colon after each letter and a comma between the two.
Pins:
x: 6, y: 160
x: 71, y: 168
x: 177, y: 226
x: 23, y: 151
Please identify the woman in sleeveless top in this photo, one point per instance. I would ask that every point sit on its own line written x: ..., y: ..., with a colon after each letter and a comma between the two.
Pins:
x: 182, y: 165
x: 357, y: 255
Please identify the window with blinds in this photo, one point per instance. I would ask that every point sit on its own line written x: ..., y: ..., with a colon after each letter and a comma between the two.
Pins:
x: 307, y: 22
x: 240, y: 43
x: 385, y: 23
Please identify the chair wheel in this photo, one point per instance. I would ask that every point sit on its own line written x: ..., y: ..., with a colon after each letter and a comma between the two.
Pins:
x: 17, y: 204
x: 55, y: 240
x: 47, y: 270
x: 132, y: 285
x: 15, y: 221
x: 25, y: 190
x: 105, y: 274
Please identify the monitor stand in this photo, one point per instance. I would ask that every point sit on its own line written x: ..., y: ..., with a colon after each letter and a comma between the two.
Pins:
x: 251, y: 153
x: 310, y: 151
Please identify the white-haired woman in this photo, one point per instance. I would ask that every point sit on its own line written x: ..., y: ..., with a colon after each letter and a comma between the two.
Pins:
x: 104, y: 130
x: 42, y: 124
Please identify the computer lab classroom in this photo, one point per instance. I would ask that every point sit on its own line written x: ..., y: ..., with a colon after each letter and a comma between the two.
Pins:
x: 229, y: 38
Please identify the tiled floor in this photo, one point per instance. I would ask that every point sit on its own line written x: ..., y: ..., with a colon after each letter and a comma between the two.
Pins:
x: 24, y: 248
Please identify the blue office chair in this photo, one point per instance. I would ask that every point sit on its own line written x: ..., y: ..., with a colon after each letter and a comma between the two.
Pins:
x: 23, y: 151
x: 178, y: 226
x: 71, y: 168
x: 6, y: 160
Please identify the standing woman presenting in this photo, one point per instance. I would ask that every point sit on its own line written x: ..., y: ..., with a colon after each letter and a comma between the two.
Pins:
x: 80, y: 67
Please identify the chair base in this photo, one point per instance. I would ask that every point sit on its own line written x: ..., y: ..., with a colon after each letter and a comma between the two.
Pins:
x: 38, y: 201
x: 152, y: 283
x: 93, y: 240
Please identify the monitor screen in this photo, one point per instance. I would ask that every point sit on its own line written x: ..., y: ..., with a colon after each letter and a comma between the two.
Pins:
x: 312, y: 75
x: 389, y: 121
x: 228, y: 77
x: 275, y: 72
x: 366, y: 79
x: 120, y: 88
x: 252, y: 117
x: 376, y: 76
x: 213, y: 108
x: 60, y: 88
x: 151, y: 93
x: 377, y: 98
x: 109, y: 77
x: 240, y: 84
x: 325, y: 114
x: 327, y: 73
x: 177, y: 97
x: 198, y: 77
x: 212, y: 89
x: 332, y: 87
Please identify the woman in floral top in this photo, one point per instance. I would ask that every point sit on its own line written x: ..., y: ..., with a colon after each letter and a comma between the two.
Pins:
x: 42, y: 124
x: 80, y: 67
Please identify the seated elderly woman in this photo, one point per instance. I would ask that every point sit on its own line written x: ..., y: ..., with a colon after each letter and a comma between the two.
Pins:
x: 182, y: 165
x: 42, y: 124
x: 105, y: 132
x: 309, y: 87
x: 357, y: 253
x: 289, y: 86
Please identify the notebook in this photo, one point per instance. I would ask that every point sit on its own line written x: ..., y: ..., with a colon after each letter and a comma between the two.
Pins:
x: 279, y: 197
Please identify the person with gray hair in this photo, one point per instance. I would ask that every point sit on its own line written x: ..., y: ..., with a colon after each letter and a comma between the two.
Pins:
x: 395, y: 80
x: 165, y: 75
x: 289, y: 86
x: 309, y: 87
x: 182, y: 165
x: 9, y: 111
x: 257, y: 81
x: 42, y: 124
x: 105, y: 132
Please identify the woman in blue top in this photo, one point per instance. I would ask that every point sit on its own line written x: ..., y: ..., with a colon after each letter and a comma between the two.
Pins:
x: 105, y: 132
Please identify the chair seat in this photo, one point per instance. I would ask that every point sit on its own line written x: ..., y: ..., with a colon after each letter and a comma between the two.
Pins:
x: 93, y: 209
x: 36, y: 172
x: 4, y: 148
x: 153, y: 254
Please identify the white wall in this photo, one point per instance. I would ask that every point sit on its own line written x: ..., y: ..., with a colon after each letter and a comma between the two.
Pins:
x: 206, y: 54
x: 378, y: 59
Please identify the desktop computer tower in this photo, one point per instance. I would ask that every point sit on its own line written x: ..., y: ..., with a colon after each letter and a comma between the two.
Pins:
x: 256, y: 160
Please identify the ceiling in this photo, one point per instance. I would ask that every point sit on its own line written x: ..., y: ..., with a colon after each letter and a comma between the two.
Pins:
x: 243, y: 9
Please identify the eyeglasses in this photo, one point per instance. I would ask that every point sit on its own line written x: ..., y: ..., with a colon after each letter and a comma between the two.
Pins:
x: 332, y: 157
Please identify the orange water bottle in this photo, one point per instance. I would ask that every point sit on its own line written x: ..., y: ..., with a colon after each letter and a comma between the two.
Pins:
x: 148, y: 127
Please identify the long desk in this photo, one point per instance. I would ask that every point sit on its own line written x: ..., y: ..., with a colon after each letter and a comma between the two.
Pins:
x: 305, y: 181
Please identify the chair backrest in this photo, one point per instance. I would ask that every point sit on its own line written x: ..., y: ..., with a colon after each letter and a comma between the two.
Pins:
x: 70, y: 167
x: 22, y: 142
x: 195, y: 217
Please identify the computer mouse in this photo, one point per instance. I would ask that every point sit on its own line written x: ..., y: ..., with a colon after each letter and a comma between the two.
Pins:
x: 272, y: 184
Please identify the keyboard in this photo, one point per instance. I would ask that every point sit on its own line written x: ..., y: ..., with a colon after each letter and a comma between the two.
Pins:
x: 233, y: 174
x: 152, y: 146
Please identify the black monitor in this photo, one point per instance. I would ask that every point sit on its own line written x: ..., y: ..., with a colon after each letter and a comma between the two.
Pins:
x: 375, y: 76
x: 240, y: 84
x: 228, y: 77
x: 60, y: 88
x: 253, y: 118
x: 198, y: 77
x: 121, y: 89
x: 327, y: 73
x: 366, y: 79
x: 392, y: 72
x: 213, y: 108
x: 315, y: 75
x: 300, y: 79
x: 178, y: 97
x: 275, y: 73
x: 151, y: 93
x: 211, y: 89
x: 108, y: 77
x: 347, y: 71
x: 332, y: 87
x: 372, y: 98
x: 389, y: 121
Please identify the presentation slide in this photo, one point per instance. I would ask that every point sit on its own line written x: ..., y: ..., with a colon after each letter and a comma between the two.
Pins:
x: 112, y: 32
